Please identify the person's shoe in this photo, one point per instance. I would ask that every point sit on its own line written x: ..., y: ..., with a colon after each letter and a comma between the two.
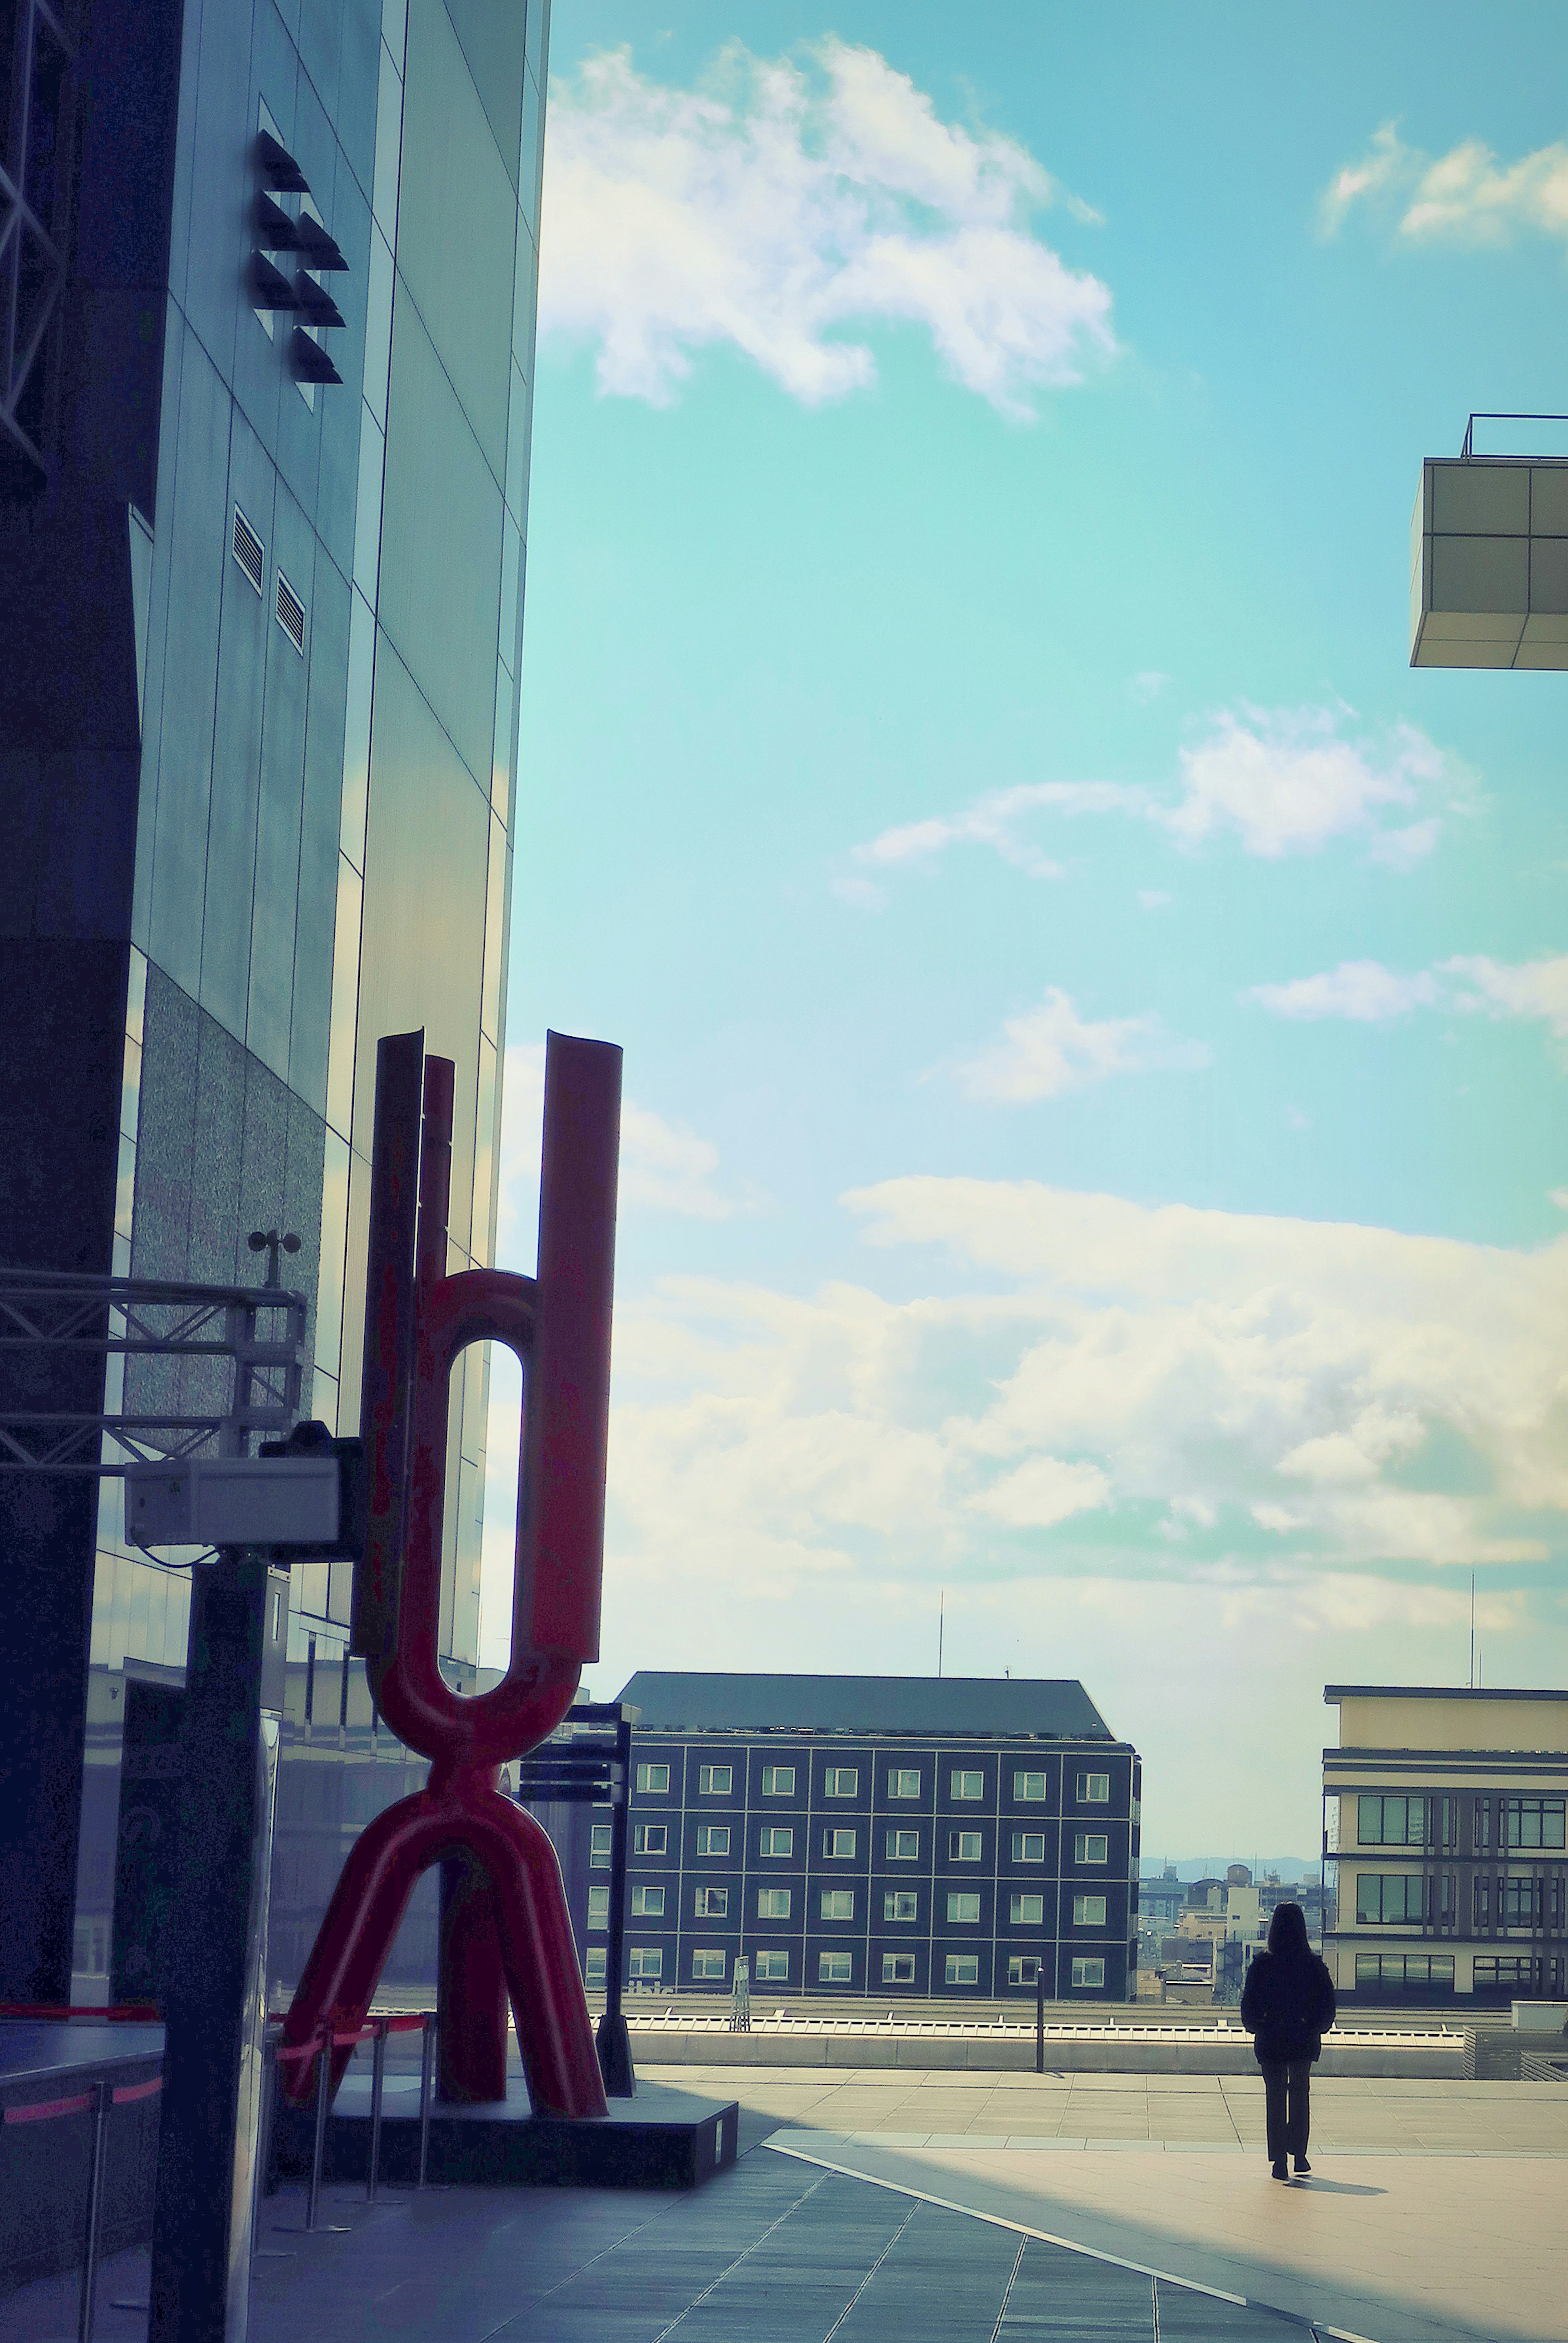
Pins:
x: 1278, y: 2169
x: 1302, y: 2166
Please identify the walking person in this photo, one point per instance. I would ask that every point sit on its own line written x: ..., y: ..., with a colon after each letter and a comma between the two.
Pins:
x: 1287, y: 2007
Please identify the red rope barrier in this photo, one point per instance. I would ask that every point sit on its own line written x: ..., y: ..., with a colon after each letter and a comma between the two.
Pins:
x: 128, y: 2012
x: 42, y: 2110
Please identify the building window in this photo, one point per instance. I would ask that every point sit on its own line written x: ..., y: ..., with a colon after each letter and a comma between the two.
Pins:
x: 839, y: 1841
x: 897, y: 1968
x: 901, y: 1903
x: 713, y: 1838
x: 841, y: 1782
x: 1029, y: 1787
x: 772, y: 1903
x: 707, y: 1961
x: 1026, y: 1911
x: 599, y: 1845
x: 714, y: 1780
x: 963, y: 1968
x: 1093, y: 1789
x: 1091, y: 1847
x: 837, y: 1902
x: 1087, y: 1974
x: 1089, y: 1910
x: 904, y: 1783
x: 778, y: 1781
x: 1532, y: 1822
x: 771, y: 1969
x: 594, y: 1965
x: 1391, y: 1822
x: 967, y: 1786
x: 963, y: 1846
x: 903, y: 1846
x: 1514, y: 1972
x: 835, y: 1968
x: 1023, y: 1968
x: 649, y: 1838
x: 599, y: 1907
x: 777, y: 1839
x: 1481, y: 1904
x: 711, y: 1903
x: 648, y: 1903
x: 964, y: 1908
x: 1482, y: 1826
x: 1406, y: 1973
x: 1521, y: 1902
x: 653, y: 1781
x: 647, y: 1961
x: 1385, y: 1898
x: 1029, y: 1846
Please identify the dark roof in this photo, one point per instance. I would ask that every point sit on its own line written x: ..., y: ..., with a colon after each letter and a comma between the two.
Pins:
x: 1056, y: 1709
x: 1333, y: 1694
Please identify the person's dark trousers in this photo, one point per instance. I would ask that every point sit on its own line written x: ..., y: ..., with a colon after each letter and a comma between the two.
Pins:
x: 1286, y: 2083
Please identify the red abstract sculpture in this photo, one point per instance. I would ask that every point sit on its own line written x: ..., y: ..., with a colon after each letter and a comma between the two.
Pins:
x: 505, y: 1931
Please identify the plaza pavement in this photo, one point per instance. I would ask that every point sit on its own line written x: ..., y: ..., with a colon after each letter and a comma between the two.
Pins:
x: 886, y: 2206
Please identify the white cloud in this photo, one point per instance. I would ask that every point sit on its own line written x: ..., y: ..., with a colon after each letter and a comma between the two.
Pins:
x: 1465, y: 197
x: 1050, y: 1049
x: 1361, y: 990
x: 1147, y: 685
x: 1368, y: 994
x: 996, y: 820
x: 1045, y: 1491
x: 779, y: 206
x: 1287, y: 782
x: 664, y: 1166
x: 1535, y: 988
x: 1153, y: 898
x: 1283, y: 780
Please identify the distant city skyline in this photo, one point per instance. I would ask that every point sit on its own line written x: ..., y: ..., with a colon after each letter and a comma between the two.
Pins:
x: 1094, y: 1017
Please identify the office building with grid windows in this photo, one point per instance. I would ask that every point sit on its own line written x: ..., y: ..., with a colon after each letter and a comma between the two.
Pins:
x: 265, y: 409
x: 876, y: 1837
x: 1445, y: 1818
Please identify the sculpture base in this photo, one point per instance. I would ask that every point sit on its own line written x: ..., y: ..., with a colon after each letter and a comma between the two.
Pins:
x: 660, y: 2140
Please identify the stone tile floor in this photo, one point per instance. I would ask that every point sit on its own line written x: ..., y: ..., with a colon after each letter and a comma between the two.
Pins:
x: 1433, y: 2218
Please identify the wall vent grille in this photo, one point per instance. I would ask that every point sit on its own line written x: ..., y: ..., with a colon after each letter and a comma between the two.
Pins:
x: 290, y: 613
x: 248, y: 550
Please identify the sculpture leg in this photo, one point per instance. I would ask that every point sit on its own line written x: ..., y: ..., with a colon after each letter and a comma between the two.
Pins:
x: 539, y: 1958
x: 471, y: 1995
x: 357, y: 1930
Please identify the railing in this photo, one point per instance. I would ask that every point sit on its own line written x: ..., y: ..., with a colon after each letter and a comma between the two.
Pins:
x: 100, y: 2097
x: 320, y: 2047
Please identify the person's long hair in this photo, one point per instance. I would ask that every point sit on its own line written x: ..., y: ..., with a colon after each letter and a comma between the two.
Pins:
x: 1288, y: 1932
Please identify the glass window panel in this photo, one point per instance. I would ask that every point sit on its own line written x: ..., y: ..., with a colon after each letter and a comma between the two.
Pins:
x: 136, y: 997
x: 504, y: 747
x: 528, y: 156
x: 131, y: 1088
x: 773, y: 1966
x: 378, y: 325
x: 653, y: 1781
x: 356, y: 730
x: 511, y: 558
x: 367, y: 511
x: 778, y: 1781
x: 388, y: 137
x: 485, y: 1155
x: 334, y: 1249
x: 494, y: 930
x: 963, y: 1969
x: 345, y: 997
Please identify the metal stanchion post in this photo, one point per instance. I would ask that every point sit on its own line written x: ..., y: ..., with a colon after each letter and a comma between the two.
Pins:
x: 102, y: 2099
x: 323, y: 2103
x: 427, y: 2068
x: 378, y: 2073
x: 1040, y: 2016
x: 262, y: 2164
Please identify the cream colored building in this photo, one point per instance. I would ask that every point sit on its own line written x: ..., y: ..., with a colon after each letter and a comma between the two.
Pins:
x: 1443, y: 1813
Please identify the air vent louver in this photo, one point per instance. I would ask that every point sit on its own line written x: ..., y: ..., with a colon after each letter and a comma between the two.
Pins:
x: 248, y: 550
x: 290, y: 613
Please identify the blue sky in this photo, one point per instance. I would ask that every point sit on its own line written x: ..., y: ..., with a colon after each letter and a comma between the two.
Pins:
x: 1094, y: 1017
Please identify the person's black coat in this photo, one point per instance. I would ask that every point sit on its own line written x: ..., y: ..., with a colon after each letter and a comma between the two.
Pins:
x: 1288, y: 2006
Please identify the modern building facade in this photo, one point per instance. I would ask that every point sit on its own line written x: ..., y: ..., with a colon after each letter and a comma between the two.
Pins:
x: 264, y: 466
x: 1444, y: 1815
x: 879, y: 1836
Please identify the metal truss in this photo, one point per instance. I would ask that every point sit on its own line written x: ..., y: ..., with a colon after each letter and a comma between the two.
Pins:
x: 37, y: 171
x: 119, y: 1318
